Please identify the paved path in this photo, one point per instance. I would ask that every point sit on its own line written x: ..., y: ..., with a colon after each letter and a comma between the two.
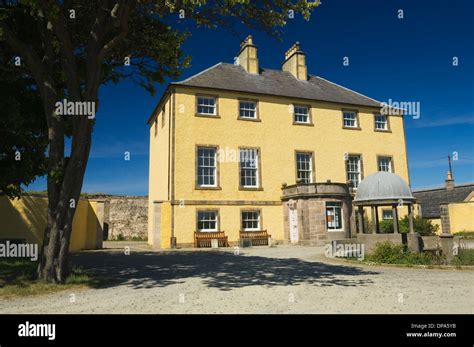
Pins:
x: 283, y: 279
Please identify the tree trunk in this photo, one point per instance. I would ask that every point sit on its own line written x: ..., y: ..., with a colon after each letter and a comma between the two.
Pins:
x: 63, y: 198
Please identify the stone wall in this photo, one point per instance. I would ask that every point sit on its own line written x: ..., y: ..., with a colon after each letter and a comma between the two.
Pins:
x: 310, y: 200
x: 127, y: 216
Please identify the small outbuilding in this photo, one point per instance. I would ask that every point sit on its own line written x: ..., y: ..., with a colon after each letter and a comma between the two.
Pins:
x: 383, y: 189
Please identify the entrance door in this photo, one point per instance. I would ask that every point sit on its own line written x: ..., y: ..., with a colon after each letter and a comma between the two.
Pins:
x: 293, y: 219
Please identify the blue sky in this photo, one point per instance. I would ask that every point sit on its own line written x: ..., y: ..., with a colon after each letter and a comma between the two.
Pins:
x: 409, y: 59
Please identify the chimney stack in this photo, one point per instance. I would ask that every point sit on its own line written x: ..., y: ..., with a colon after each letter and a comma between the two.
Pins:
x: 247, y: 57
x: 295, y: 62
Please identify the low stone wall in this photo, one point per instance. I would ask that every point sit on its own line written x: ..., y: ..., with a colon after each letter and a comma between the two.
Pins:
x: 370, y: 240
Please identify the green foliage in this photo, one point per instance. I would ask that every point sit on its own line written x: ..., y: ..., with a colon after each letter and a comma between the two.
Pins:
x: 23, y: 131
x: 468, y: 235
x: 389, y: 253
x: 386, y: 226
x: 422, y: 226
x: 120, y: 237
x: 464, y: 257
x: 150, y: 33
x: 139, y: 238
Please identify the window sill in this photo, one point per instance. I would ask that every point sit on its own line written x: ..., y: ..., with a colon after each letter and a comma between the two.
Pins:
x: 207, y: 188
x: 352, y: 128
x: 249, y: 119
x: 250, y: 188
x: 207, y: 115
x: 304, y: 124
x: 382, y: 131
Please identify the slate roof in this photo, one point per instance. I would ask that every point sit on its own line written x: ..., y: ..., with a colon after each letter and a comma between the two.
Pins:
x: 431, y: 198
x: 275, y: 82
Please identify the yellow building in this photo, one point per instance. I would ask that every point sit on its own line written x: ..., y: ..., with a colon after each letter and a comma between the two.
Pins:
x: 450, y: 207
x: 225, y: 141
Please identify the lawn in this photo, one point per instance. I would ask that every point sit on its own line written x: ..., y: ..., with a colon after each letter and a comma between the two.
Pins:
x: 17, y: 278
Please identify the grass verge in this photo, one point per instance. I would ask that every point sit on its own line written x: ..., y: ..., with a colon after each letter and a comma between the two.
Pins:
x: 17, y: 279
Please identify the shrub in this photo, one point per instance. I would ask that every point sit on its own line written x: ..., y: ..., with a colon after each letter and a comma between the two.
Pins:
x: 386, y: 226
x: 422, y: 226
x: 120, y: 237
x: 464, y: 257
x: 139, y: 238
x: 389, y: 253
x: 466, y: 234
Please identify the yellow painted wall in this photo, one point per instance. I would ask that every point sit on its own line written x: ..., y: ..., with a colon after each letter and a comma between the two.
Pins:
x: 158, y: 162
x: 461, y: 216
x: 436, y: 221
x: 166, y: 221
x: 25, y: 218
x: 229, y: 218
x: 277, y: 138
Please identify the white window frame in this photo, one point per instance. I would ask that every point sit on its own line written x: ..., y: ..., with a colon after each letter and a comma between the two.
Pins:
x: 339, y: 207
x: 198, y: 166
x: 387, y: 211
x: 258, y: 220
x: 297, y: 114
x: 352, y: 172
x: 310, y: 163
x: 379, y: 162
x: 201, y: 102
x: 207, y: 219
x: 248, y: 106
x: 378, y: 122
x: 353, y: 118
x: 254, y: 168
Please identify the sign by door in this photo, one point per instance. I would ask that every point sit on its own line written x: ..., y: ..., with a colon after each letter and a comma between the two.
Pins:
x: 293, y: 220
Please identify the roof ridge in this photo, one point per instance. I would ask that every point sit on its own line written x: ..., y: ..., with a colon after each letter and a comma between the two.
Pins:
x: 443, y: 187
x: 353, y: 91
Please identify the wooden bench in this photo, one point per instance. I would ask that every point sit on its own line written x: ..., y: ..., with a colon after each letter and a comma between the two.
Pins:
x: 204, y: 239
x: 256, y: 238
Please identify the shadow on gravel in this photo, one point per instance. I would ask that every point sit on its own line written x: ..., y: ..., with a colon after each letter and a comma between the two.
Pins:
x: 222, y: 270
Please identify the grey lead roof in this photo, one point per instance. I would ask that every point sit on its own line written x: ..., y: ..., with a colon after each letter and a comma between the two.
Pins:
x: 275, y: 82
x: 383, y: 186
x: 431, y: 198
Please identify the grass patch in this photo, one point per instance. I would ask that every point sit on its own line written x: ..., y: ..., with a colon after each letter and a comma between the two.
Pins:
x: 465, y: 257
x: 17, y: 278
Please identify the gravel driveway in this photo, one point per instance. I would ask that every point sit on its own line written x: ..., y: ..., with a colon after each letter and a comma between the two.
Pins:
x: 283, y: 279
